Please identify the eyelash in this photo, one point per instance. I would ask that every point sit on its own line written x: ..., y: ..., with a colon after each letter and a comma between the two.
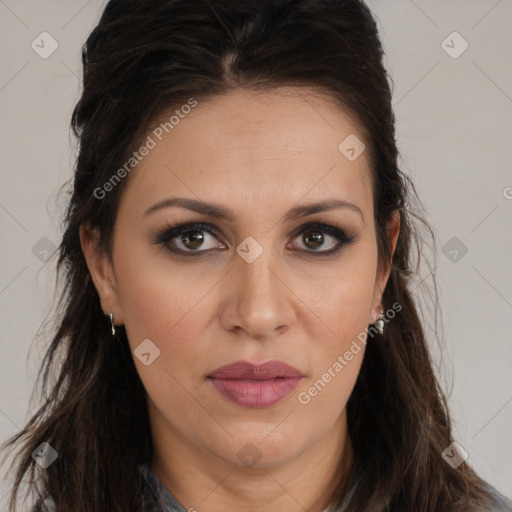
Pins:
x: 173, y: 230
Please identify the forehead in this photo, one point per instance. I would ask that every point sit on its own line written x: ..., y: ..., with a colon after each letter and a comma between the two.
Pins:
x: 253, y: 147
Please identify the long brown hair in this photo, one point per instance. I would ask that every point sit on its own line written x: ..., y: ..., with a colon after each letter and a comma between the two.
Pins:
x: 145, y: 56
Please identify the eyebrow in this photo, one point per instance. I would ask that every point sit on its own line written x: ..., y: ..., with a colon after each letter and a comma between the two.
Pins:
x: 222, y: 212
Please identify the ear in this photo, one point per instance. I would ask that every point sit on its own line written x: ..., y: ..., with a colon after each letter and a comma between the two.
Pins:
x: 102, y: 273
x: 392, y: 230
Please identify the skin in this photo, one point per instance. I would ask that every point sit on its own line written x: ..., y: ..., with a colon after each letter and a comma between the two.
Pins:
x: 259, y: 155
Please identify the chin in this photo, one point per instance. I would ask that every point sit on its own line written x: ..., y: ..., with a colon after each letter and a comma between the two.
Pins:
x: 258, y: 449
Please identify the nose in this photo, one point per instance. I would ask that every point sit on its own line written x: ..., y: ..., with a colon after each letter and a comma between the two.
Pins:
x: 257, y: 299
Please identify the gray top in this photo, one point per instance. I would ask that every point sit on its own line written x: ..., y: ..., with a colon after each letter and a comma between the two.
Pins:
x: 157, y: 498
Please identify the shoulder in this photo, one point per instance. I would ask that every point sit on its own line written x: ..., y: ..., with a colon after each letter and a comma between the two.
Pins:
x: 48, y: 505
x: 156, y: 497
x: 499, y: 502
x: 502, y: 503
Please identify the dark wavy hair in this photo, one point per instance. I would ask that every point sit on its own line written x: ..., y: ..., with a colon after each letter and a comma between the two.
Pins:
x: 143, y: 58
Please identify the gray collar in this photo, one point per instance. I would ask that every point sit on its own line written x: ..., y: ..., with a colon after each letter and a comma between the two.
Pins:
x: 157, y: 498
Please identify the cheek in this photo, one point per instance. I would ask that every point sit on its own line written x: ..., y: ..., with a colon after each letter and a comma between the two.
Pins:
x: 165, y: 302
x: 346, y: 307
x: 344, y: 298
x: 343, y: 303
x: 327, y: 393
x: 151, y: 291
x: 162, y: 307
x: 169, y: 308
x: 339, y: 356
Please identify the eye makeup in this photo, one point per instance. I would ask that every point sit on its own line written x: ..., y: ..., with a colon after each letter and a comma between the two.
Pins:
x: 173, y: 231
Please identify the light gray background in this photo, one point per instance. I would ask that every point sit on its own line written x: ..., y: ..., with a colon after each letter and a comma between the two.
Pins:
x: 454, y: 129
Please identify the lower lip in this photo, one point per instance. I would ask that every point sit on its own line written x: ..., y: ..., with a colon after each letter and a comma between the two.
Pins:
x: 256, y: 393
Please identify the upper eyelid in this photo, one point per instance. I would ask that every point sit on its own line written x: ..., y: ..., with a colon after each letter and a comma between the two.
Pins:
x: 206, y: 226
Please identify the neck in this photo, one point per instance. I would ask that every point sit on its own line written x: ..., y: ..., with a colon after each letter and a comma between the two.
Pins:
x: 201, y: 480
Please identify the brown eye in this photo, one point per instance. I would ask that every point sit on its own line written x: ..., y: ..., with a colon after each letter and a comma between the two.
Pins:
x: 189, y: 238
x: 192, y: 239
x: 322, y: 239
x: 313, y: 239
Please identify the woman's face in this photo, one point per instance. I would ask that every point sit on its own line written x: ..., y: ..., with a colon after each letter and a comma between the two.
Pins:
x: 254, y: 284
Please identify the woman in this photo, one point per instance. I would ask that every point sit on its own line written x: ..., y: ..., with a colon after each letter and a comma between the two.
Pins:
x: 238, y: 328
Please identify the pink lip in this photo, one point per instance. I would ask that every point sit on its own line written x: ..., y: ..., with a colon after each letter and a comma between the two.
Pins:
x: 256, y: 385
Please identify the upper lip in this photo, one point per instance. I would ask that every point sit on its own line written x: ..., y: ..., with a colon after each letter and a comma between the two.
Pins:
x: 257, y: 371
